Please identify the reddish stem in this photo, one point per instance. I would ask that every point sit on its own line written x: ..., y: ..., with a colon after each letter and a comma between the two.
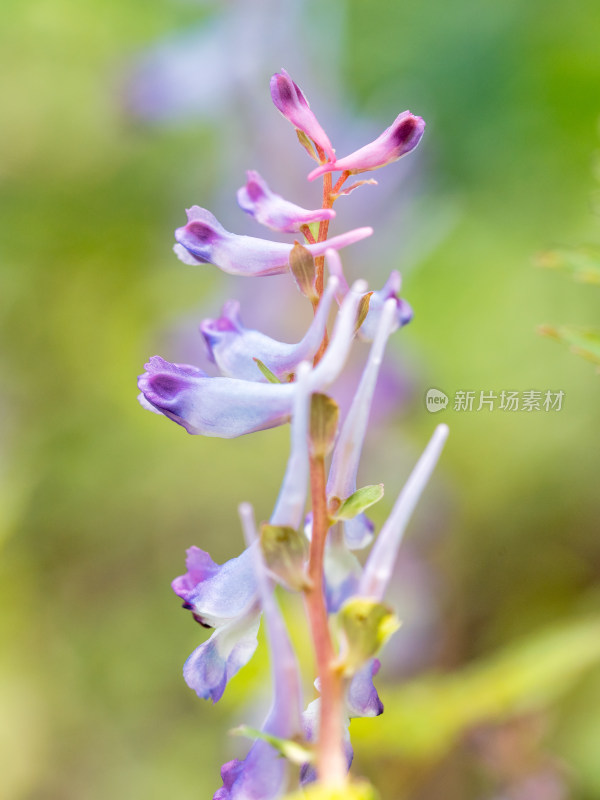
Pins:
x: 308, y: 234
x: 331, y: 759
x: 341, y: 181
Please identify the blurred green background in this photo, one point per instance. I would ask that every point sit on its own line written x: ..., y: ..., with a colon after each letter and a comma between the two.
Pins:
x: 99, y: 499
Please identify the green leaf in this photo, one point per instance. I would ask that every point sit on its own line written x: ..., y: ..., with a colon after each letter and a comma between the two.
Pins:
x: 363, y: 310
x: 270, y: 376
x: 294, y: 751
x: 324, y: 415
x: 285, y: 551
x: 302, y: 267
x: 582, y: 263
x: 584, y: 342
x: 365, y: 626
x: 358, y: 502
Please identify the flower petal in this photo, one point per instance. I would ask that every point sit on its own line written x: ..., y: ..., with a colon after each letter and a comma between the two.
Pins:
x: 260, y: 776
x: 291, y: 102
x: 403, y: 135
x: 229, y: 648
x: 234, y: 348
x: 205, y: 241
x: 228, y: 407
x: 362, y: 699
x: 403, y: 314
x: 223, y: 407
x: 270, y: 209
x: 217, y: 593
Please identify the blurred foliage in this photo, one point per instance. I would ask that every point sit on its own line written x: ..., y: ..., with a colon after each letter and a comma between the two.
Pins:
x: 425, y: 716
x: 99, y: 500
x: 583, y: 265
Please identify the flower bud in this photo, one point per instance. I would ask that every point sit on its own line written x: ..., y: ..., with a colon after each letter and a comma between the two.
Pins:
x: 403, y: 135
x: 291, y: 102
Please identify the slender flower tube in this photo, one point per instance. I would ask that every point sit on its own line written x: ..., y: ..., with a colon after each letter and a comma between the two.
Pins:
x: 234, y: 348
x: 382, y: 558
x: 346, y: 455
x: 291, y: 102
x: 403, y: 135
x: 367, y: 330
x: 203, y: 240
x: 262, y: 774
x: 289, y: 508
x: 223, y: 597
x: 229, y: 407
x: 270, y: 209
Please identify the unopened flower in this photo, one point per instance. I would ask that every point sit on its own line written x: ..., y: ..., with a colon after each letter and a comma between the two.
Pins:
x: 291, y: 102
x: 236, y: 349
x: 270, y: 209
x: 223, y: 597
x: 205, y: 241
x: 229, y: 407
x: 403, y: 135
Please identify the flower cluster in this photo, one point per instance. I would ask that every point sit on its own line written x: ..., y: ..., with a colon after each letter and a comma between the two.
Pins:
x: 264, y: 383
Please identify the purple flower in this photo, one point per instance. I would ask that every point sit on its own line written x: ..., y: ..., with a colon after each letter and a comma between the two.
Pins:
x: 205, y: 241
x: 262, y: 775
x: 362, y: 699
x: 368, y: 329
x: 259, y: 776
x: 403, y: 312
x: 291, y: 102
x: 229, y: 407
x: 224, y: 407
x: 403, y: 135
x: 270, y: 209
x: 234, y: 348
x: 382, y: 558
x: 223, y: 597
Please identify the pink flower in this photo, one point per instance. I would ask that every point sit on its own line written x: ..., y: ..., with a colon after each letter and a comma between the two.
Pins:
x: 203, y: 240
x: 270, y: 209
x: 403, y: 135
x: 291, y: 102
